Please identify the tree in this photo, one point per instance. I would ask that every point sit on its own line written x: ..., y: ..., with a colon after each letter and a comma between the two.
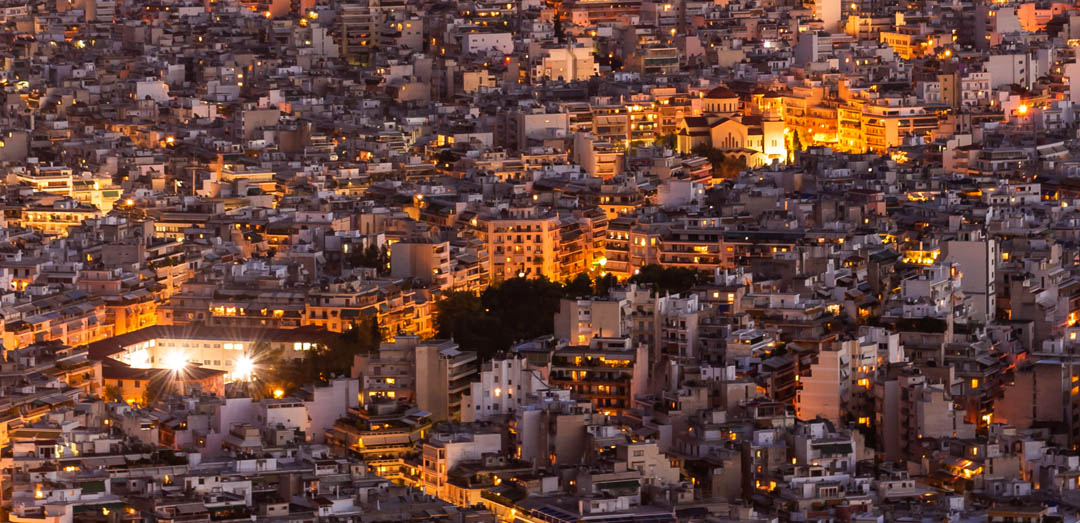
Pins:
x: 375, y: 333
x: 676, y: 280
x: 461, y: 316
x: 730, y: 167
x: 517, y: 309
x: 723, y: 166
x: 446, y: 157
x: 604, y: 284
x: 525, y: 308
x: 113, y: 393
x: 336, y: 356
x: 160, y: 385
x: 581, y: 285
x: 796, y: 145
x: 713, y: 155
x: 367, y: 257
x: 384, y: 261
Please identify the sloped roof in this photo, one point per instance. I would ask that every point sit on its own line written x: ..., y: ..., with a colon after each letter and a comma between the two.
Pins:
x: 721, y: 92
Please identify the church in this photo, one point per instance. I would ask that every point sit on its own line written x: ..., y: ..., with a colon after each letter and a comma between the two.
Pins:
x: 724, y: 125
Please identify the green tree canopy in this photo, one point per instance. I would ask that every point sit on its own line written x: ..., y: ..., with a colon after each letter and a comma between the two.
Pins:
x: 604, y: 284
x: 676, y: 280
x: 517, y: 309
x: 724, y: 166
x: 335, y: 358
x: 581, y: 285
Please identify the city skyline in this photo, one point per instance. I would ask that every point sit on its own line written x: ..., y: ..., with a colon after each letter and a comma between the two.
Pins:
x: 539, y: 261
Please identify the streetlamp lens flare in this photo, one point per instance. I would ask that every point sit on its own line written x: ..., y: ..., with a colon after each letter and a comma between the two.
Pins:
x: 176, y: 361
x: 244, y: 368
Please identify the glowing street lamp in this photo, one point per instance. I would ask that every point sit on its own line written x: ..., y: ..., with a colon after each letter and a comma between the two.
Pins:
x: 176, y: 362
x: 245, y: 367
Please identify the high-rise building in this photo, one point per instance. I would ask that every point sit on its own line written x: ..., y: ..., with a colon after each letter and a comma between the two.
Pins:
x: 609, y: 372
x: 504, y: 386
x: 828, y: 11
x: 443, y: 374
x: 827, y: 387
x: 356, y: 26
x: 977, y: 257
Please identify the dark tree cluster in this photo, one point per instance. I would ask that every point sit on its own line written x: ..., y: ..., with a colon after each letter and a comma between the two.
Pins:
x: 664, y: 280
x: 724, y: 166
x: 334, y: 358
x: 518, y: 309
x: 522, y: 309
x: 372, y: 257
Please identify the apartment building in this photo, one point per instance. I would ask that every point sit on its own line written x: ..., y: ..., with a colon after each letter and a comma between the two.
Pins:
x: 443, y: 375
x: 52, y: 218
x: 522, y: 242
x: 885, y: 122
x: 581, y: 320
x: 567, y: 64
x: 826, y: 388
x: 427, y: 262
x: 505, y: 385
x: 608, y: 372
x: 71, y: 318
x: 344, y: 306
x: 446, y: 449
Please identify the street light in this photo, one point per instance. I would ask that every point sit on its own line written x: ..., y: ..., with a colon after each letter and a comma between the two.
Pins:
x: 176, y: 362
x: 245, y: 366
